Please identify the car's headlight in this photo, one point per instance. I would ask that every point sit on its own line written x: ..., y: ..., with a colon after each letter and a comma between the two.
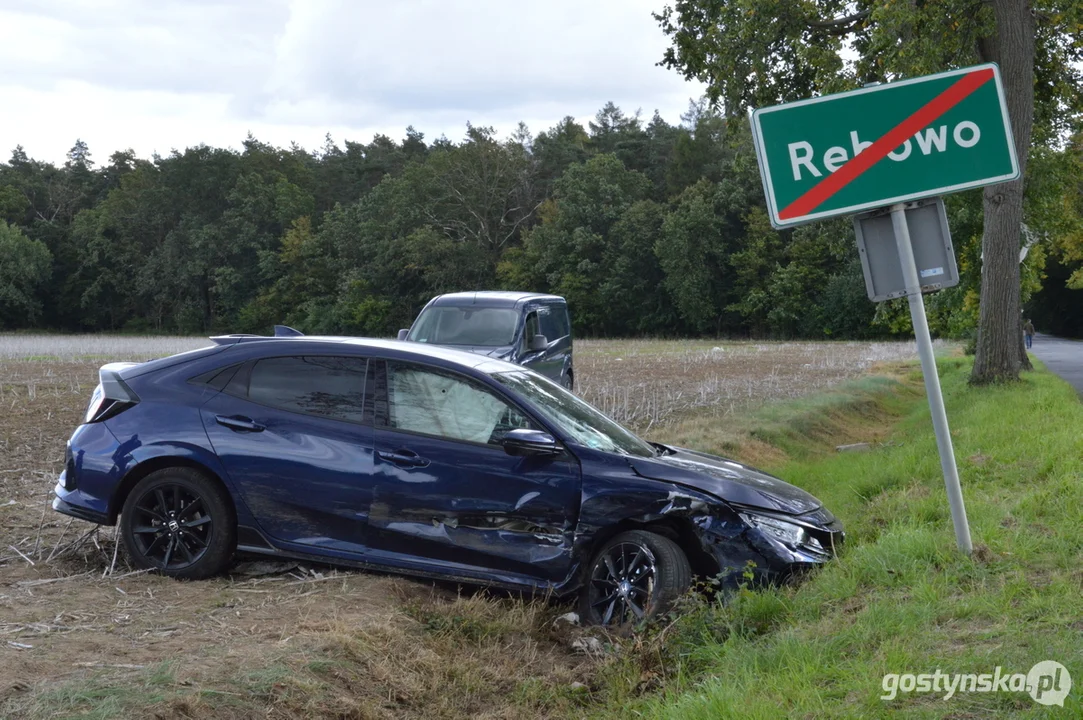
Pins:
x: 781, y: 530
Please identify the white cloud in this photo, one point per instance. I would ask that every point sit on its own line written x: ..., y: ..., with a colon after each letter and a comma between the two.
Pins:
x: 175, y: 73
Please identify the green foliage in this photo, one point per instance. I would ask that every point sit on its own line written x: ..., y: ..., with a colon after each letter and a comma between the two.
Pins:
x: 24, y: 267
x: 646, y: 228
x: 753, y: 53
x: 581, y: 244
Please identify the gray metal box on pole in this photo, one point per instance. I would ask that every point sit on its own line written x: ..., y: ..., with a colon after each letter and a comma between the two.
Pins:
x: 931, y: 241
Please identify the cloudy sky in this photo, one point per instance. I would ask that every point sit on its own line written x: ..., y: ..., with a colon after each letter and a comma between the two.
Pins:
x: 154, y: 76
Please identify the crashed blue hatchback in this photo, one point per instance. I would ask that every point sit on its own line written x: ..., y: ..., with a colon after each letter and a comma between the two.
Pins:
x: 423, y: 461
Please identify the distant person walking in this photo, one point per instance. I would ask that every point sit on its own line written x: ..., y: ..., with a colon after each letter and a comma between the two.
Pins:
x: 1028, y: 332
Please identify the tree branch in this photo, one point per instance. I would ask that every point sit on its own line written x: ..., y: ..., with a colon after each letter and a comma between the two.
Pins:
x: 848, y: 20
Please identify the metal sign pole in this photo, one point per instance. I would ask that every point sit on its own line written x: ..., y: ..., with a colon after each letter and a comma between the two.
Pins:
x: 932, y: 378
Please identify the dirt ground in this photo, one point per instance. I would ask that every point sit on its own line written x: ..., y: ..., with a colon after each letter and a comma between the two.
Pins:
x: 82, y: 635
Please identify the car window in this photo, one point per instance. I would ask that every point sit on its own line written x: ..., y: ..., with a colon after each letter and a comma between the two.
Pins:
x: 482, y: 326
x: 560, y: 313
x: 547, y: 323
x: 332, y: 387
x: 431, y: 402
x: 581, y: 422
x: 532, y: 328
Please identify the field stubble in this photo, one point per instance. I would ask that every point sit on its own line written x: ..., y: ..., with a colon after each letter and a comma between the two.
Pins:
x: 79, y: 634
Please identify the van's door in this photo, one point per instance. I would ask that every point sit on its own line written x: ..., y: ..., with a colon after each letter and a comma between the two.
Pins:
x: 553, y: 320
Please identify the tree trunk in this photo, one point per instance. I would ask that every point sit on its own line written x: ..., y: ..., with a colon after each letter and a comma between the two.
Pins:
x: 998, y: 356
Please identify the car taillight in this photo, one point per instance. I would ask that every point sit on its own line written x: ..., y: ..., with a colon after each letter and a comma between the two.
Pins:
x: 67, y: 478
x: 95, y: 406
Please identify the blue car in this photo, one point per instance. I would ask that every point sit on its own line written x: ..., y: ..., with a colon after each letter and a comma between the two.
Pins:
x: 418, y: 460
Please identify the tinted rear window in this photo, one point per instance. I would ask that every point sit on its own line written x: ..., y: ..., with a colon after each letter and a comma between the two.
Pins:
x: 332, y: 387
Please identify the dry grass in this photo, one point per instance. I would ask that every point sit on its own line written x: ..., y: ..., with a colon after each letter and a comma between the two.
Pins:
x: 79, y: 637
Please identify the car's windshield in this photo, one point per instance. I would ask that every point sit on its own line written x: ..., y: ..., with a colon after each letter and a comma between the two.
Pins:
x: 584, y: 424
x: 484, y: 326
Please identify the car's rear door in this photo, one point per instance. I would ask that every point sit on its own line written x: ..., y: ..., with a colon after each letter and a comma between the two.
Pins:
x: 447, y: 492
x: 296, y: 439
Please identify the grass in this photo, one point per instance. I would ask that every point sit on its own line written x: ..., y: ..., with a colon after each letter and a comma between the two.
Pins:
x: 902, y: 599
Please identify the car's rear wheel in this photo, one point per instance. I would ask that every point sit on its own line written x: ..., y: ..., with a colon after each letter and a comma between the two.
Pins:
x: 179, y: 522
x: 634, y: 577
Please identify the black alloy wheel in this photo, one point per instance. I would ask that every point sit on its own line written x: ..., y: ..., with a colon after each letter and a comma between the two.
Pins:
x: 634, y: 577
x: 180, y: 523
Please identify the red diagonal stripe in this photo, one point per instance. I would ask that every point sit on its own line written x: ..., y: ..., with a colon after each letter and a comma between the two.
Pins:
x: 928, y: 113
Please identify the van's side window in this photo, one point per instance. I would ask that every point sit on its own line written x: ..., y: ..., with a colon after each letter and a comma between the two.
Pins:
x: 547, y: 322
x: 532, y: 328
x: 554, y: 321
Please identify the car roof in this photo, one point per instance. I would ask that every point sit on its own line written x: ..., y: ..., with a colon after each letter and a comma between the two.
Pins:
x: 460, y: 358
x: 491, y: 298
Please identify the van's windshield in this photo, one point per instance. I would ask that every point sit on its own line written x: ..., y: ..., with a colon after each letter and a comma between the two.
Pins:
x: 476, y: 326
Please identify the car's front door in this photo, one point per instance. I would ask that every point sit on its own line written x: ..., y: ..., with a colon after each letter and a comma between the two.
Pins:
x: 296, y: 439
x: 446, y: 491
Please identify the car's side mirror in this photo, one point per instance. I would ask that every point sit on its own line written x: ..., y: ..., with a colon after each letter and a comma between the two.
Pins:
x: 538, y: 343
x: 525, y: 442
x: 403, y: 333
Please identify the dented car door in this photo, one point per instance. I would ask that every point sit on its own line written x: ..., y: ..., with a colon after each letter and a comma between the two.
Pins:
x: 446, y: 492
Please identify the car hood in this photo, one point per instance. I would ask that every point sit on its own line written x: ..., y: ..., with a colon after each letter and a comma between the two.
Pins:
x: 726, y: 479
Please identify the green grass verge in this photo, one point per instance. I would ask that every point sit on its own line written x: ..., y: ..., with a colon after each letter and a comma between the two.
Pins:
x: 901, y: 598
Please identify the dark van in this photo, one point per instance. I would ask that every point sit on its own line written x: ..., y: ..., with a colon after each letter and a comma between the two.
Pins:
x: 526, y: 328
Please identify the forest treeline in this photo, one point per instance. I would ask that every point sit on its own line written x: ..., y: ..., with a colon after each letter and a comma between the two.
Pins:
x: 647, y: 228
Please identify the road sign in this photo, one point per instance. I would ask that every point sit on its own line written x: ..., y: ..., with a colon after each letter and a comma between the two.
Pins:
x: 927, y: 223
x: 863, y: 149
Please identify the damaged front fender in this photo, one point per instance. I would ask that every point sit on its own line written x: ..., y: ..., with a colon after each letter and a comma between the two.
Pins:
x: 719, y: 542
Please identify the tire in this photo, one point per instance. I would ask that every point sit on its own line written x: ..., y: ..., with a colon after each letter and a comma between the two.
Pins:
x: 619, y: 599
x: 567, y: 382
x: 180, y: 523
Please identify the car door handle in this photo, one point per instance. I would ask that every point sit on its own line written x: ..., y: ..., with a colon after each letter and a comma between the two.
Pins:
x: 238, y: 422
x: 403, y: 458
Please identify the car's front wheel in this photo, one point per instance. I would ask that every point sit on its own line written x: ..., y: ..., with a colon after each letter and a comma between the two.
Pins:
x: 179, y: 522
x: 634, y: 577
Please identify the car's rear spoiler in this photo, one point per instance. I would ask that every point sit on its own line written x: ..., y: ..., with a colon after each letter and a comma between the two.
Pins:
x: 112, y: 395
x: 280, y: 331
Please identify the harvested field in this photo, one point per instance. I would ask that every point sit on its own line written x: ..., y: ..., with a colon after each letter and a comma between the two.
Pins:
x: 81, y: 635
x: 646, y: 383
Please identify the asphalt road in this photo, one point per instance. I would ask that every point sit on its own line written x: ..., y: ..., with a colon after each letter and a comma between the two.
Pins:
x: 1063, y: 357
